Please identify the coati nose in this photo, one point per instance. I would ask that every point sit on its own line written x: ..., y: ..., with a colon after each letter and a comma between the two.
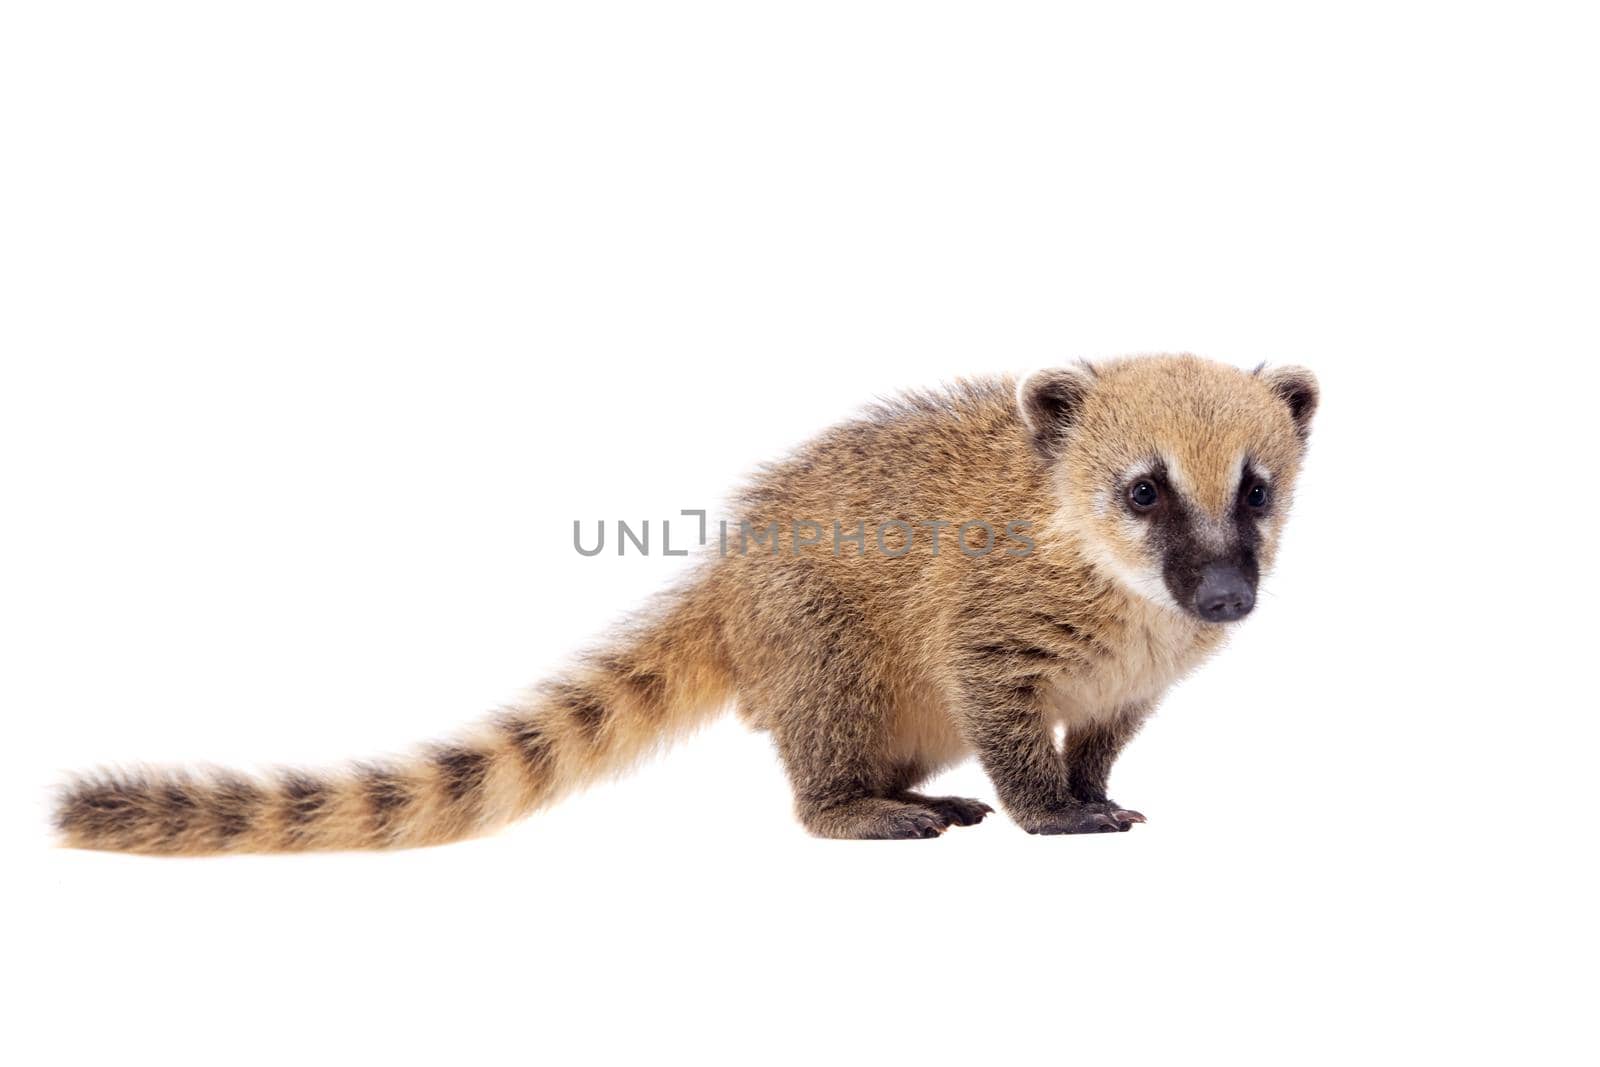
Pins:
x: 1225, y: 594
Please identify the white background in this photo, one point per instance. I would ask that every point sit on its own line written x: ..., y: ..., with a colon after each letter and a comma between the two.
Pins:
x: 322, y: 322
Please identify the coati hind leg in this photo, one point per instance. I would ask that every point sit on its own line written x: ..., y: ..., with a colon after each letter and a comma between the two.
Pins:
x: 830, y: 717
x: 812, y: 671
x: 832, y: 741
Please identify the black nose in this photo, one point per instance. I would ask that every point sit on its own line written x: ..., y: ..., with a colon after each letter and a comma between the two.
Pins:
x: 1225, y: 594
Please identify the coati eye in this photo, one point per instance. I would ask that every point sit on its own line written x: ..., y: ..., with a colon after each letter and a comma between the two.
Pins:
x: 1258, y: 496
x: 1143, y: 496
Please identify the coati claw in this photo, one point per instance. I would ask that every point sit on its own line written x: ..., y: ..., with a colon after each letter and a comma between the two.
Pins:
x: 919, y: 825
x: 1125, y: 817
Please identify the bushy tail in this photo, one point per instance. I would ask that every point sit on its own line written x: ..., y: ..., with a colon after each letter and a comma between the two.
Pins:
x: 660, y: 679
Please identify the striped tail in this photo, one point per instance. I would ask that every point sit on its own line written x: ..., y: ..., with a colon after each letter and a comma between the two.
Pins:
x: 658, y: 681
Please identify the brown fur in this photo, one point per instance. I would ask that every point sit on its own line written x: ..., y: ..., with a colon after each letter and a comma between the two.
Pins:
x: 871, y: 672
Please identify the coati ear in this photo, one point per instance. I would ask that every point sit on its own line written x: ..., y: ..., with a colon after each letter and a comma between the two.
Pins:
x: 1051, y: 401
x: 1296, y: 387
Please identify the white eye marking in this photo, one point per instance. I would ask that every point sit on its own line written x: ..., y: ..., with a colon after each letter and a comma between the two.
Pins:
x: 1021, y: 397
x: 1177, y: 476
x: 1138, y: 470
x: 1142, y: 581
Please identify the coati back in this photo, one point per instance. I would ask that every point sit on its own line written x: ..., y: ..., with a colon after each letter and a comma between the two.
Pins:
x: 975, y: 571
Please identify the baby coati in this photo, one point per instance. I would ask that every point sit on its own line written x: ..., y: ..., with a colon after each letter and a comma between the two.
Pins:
x: 1102, y: 525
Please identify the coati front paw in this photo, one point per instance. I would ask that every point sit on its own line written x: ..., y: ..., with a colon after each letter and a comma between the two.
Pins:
x: 1098, y: 818
x: 1124, y: 817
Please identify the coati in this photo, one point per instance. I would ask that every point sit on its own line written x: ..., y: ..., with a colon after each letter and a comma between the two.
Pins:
x: 1153, y: 490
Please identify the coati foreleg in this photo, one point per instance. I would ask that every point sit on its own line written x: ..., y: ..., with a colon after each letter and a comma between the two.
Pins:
x: 1089, y: 752
x: 1003, y: 720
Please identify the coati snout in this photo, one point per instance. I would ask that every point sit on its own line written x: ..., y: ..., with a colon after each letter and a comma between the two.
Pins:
x: 1208, y: 561
x: 1211, y: 586
x: 1225, y: 593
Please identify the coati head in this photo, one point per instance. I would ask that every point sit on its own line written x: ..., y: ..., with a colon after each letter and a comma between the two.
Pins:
x: 1174, y: 473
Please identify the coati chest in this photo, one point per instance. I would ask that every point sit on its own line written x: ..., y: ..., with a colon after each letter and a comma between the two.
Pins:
x: 1140, y: 651
x: 1148, y: 650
